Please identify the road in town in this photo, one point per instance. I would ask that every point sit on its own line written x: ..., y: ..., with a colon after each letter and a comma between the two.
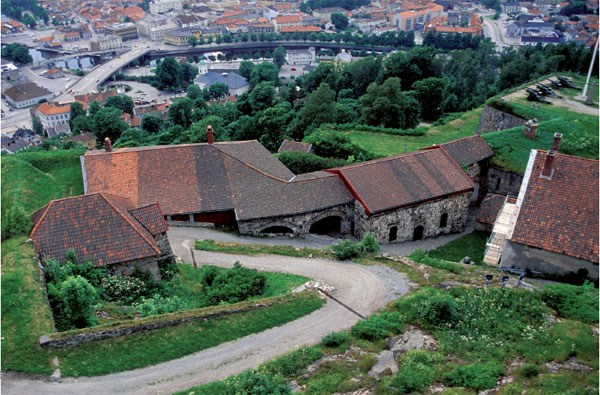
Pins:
x: 363, y: 288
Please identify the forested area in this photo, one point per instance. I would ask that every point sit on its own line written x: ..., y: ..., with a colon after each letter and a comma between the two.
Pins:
x: 26, y: 11
x: 390, y: 93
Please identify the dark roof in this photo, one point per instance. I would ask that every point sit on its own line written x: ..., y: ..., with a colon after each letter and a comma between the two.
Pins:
x: 490, y: 207
x: 467, y: 150
x: 405, y: 180
x: 561, y: 214
x: 151, y: 218
x: 231, y: 79
x: 26, y: 91
x: 98, y: 227
x: 295, y: 146
x: 241, y: 176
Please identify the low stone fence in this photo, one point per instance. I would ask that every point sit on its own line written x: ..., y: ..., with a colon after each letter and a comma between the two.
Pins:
x: 121, y: 328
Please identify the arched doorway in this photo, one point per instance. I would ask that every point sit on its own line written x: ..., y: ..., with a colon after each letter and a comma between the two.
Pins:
x: 418, y: 233
x: 276, y: 230
x: 327, y: 226
x: 393, y: 233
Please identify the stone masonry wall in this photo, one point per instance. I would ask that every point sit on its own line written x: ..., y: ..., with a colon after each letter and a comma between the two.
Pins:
x: 149, y: 265
x: 299, y: 224
x: 492, y: 119
x: 503, y: 182
x: 406, y: 220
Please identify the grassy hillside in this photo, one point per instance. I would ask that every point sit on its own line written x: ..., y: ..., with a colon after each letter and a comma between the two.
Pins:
x: 386, y: 145
x: 32, y: 179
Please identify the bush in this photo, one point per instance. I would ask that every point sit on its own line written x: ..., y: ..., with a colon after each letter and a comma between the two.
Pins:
x: 528, y: 370
x: 478, y: 376
x: 73, y: 302
x: 439, y: 310
x: 123, y: 290
x: 56, y: 272
x: 421, y: 256
x: 159, y: 304
x: 17, y: 222
x: 334, y: 339
x: 370, y: 244
x: 236, y: 285
x: 347, y: 249
x: 413, y: 378
x: 303, y: 162
x: 378, y: 326
x: 208, y: 275
x: 292, y: 364
x: 574, y: 302
x: 254, y: 383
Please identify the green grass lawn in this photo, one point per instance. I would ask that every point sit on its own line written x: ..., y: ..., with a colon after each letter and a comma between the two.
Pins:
x: 471, y: 245
x: 257, y: 249
x: 386, y: 145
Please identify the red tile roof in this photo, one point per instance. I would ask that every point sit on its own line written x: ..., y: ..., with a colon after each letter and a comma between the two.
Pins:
x: 490, y: 207
x: 405, y: 180
x: 300, y: 29
x: 295, y: 146
x: 240, y: 176
x: 561, y: 214
x: 98, y: 227
x: 467, y: 150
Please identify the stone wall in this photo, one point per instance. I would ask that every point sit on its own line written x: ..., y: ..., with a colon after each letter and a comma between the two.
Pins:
x: 406, y: 220
x: 149, y: 265
x: 492, y: 119
x: 516, y: 255
x: 156, y: 322
x: 503, y: 182
x: 299, y: 224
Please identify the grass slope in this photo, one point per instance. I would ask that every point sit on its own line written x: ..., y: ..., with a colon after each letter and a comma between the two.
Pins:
x: 386, y: 145
x: 471, y: 245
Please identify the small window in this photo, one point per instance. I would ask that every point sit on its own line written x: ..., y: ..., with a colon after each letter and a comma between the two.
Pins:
x: 444, y: 220
x: 418, y: 233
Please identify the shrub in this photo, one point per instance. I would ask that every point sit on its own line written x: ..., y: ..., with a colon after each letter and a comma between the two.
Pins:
x: 366, y: 362
x: 478, y: 376
x: 17, y: 222
x: 334, y: 339
x: 56, y: 272
x: 123, y: 289
x: 73, y: 301
x: 292, y: 364
x: 378, y: 326
x: 208, y: 274
x: 528, y: 370
x: 347, y: 250
x: 159, y: 304
x: 236, y: 285
x: 370, y: 244
x: 575, y: 302
x: 255, y: 383
x: 413, y: 378
x: 168, y: 268
x: 421, y: 256
x: 439, y: 310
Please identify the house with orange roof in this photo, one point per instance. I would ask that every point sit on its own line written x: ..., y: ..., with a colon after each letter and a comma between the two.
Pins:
x: 287, y: 21
x: 300, y: 29
x: 51, y: 115
x: 134, y: 13
x: 416, y: 19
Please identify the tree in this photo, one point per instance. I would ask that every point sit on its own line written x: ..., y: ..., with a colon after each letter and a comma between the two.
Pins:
x: 332, y: 144
x: 319, y: 108
x: 194, y: 92
x: 152, y: 123
x: 76, y: 111
x: 83, y: 124
x: 279, y: 56
x: 180, y: 112
x: 193, y: 41
x: 108, y: 123
x: 431, y: 94
x: 273, y: 124
x: 168, y: 74
x: 387, y: 106
x: 197, y: 131
x: 132, y: 137
x: 17, y: 53
x: 246, y: 68
x: 94, y: 107
x: 74, y: 299
x: 37, y: 126
x: 217, y: 91
x: 29, y: 20
x: 122, y: 102
x: 410, y: 66
x: 262, y: 96
x: 16, y: 222
x: 188, y: 72
x: 264, y: 71
x: 339, y: 20
x: 303, y: 162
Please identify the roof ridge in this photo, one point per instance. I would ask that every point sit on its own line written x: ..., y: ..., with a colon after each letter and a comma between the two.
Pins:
x: 569, y: 156
x: 253, y: 167
x: 378, y: 160
x: 131, y: 223
x: 37, y: 225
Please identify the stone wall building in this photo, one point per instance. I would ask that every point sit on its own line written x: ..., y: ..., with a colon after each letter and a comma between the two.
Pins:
x: 242, y: 185
x: 108, y: 230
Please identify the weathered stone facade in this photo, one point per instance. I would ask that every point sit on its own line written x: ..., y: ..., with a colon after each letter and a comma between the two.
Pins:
x: 492, y: 119
x: 403, y: 225
x: 503, y: 182
x: 296, y: 225
x: 149, y: 265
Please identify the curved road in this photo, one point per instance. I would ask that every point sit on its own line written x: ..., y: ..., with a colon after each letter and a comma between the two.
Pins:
x: 363, y: 288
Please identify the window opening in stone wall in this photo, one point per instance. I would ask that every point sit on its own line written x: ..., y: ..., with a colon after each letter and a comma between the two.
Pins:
x: 393, y: 233
x: 327, y: 226
x: 444, y: 220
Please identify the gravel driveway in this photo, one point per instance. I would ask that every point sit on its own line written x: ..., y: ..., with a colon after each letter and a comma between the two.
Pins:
x: 365, y: 289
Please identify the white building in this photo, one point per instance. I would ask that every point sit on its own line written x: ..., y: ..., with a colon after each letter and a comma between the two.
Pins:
x: 103, y: 43
x: 52, y: 115
x: 162, y: 6
x: 155, y: 27
x: 301, y: 57
x: 25, y: 95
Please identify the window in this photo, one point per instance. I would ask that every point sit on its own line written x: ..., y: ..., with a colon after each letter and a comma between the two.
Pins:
x: 393, y: 233
x: 444, y: 220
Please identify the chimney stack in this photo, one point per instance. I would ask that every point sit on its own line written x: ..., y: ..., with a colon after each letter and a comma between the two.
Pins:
x: 107, y: 145
x: 530, y: 129
x: 548, y: 169
x: 556, y: 143
x: 210, y: 135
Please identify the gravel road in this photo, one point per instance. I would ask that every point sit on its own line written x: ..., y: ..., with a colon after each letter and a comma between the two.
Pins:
x: 365, y: 289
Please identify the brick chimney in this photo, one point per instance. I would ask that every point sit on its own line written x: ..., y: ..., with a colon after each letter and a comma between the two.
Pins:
x: 556, y: 143
x: 210, y: 135
x: 531, y: 127
x: 548, y: 169
x: 107, y: 145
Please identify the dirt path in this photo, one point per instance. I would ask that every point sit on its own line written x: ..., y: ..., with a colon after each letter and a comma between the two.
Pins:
x: 365, y: 289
